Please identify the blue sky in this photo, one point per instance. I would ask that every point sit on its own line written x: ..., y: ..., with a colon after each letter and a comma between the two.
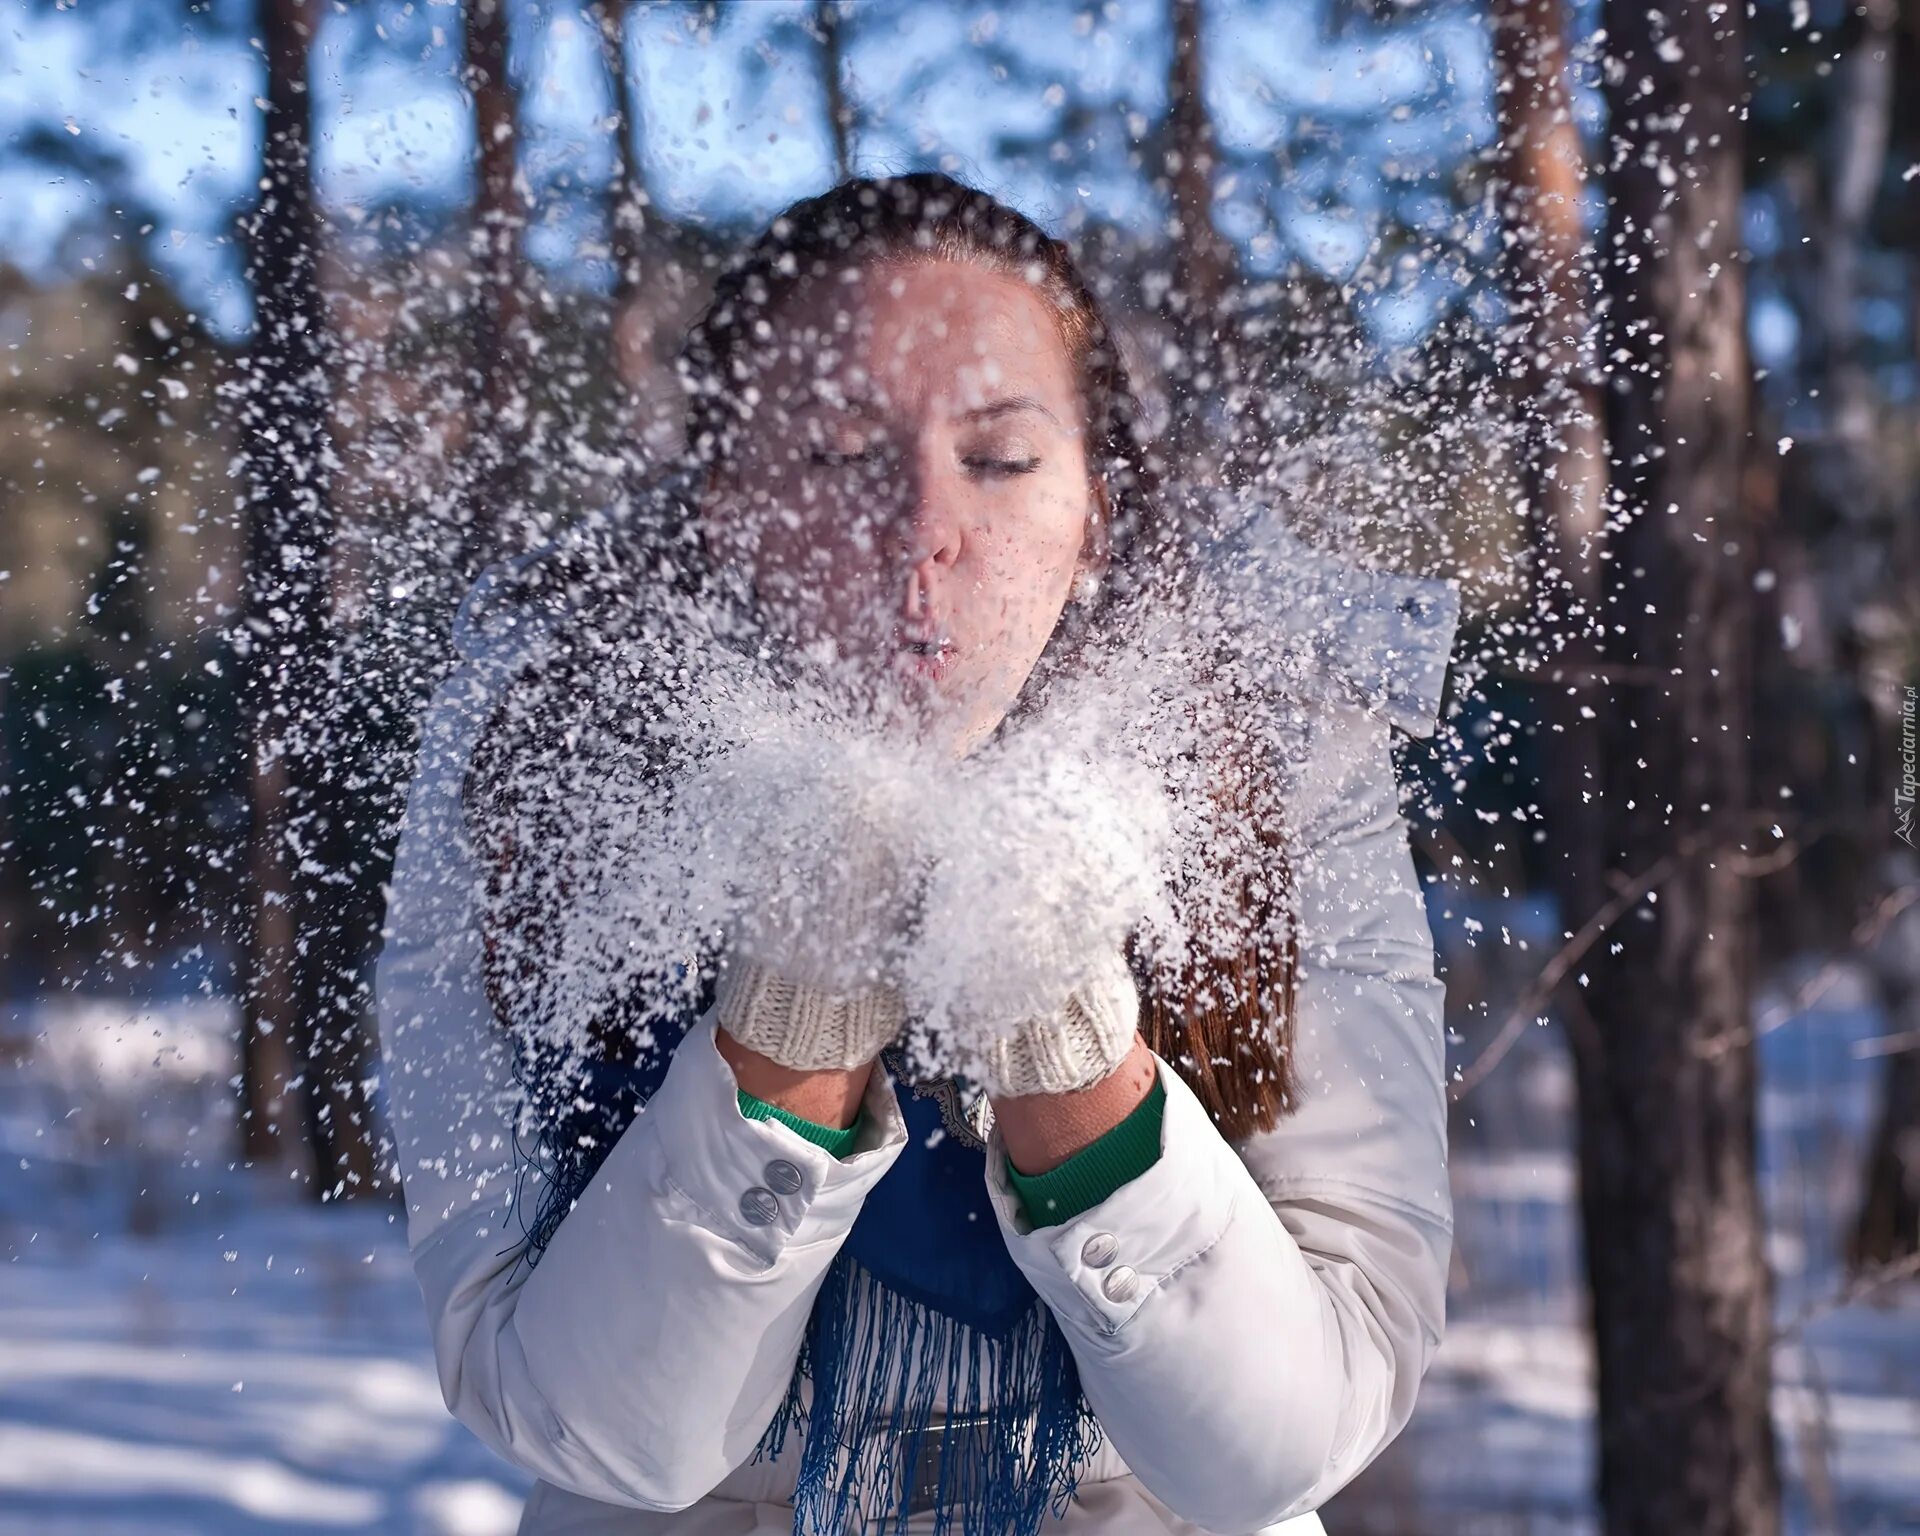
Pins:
x: 734, y: 125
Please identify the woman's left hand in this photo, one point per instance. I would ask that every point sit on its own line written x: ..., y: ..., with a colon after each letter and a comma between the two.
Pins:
x: 1050, y: 849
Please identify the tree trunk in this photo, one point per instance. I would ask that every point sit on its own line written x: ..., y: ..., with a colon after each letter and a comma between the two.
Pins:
x: 826, y: 25
x: 1887, y: 1228
x: 1681, y: 1296
x: 500, y: 405
x: 1564, y: 458
x: 1862, y: 129
x: 627, y: 196
x: 300, y: 1021
x: 1204, y: 267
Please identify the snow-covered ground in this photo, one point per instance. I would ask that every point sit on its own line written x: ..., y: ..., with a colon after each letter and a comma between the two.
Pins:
x: 188, y: 1349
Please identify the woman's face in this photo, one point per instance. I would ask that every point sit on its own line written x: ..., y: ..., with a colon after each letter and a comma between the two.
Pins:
x: 912, y: 497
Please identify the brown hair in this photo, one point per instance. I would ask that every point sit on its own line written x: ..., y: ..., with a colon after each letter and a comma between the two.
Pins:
x: 1222, y: 1014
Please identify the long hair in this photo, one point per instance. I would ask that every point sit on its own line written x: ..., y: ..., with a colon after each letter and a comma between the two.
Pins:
x: 1222, y: 1012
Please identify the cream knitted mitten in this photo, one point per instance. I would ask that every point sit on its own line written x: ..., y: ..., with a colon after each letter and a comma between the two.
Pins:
x: 803, y: 1026
x: 1085, y: 1040
x: 817, y: 910
x: 1046, y: 856
x: 806, y: 980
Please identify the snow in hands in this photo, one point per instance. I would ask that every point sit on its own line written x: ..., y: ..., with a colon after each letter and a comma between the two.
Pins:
x: 710, y: 801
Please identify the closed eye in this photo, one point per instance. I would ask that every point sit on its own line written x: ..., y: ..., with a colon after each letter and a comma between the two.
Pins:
x: 833, y: 458
x: 981, y: 464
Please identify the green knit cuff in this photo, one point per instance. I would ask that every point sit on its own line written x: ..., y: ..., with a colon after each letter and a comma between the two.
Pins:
x: 835, y: 1140
x: 1117, y: 1157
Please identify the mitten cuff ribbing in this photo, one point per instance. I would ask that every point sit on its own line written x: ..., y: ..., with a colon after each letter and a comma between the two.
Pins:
x: 1075, y: 1048
x: 801, y: 1026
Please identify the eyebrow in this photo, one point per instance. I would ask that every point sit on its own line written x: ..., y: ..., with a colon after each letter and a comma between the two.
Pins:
x: 1006, y: 405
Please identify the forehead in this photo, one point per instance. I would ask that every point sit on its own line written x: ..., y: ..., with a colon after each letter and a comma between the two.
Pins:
x: 933, y: 334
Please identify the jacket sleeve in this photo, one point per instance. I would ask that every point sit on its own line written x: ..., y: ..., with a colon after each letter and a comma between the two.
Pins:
x: 1252, y: 1321
x: 640, y: 1360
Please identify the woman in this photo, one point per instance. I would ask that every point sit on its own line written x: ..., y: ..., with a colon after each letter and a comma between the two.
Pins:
x: 1166, y: 1248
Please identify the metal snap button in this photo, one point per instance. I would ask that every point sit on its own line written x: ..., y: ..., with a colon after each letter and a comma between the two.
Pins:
x: 1099, y: 1250
x: 759, y: 1206
x: 782, y: 1177
x: 1120, y: 1283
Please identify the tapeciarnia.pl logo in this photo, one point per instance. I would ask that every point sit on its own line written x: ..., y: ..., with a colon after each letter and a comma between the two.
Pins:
x: 1903, y: 796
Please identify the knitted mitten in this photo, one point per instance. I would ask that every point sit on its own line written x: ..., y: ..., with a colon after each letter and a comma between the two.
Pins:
x: 803, y: 1026
x: 1047, y: 854
x: 806, y: 979
x: 819, y: 825
x: 1073, y: 1047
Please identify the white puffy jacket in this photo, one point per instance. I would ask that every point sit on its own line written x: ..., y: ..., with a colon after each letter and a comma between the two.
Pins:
x: 1291, y: 1288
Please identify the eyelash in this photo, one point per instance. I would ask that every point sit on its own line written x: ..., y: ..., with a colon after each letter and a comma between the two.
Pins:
x: 1003, y: 466
x: 829, y: 459
x: 834, y: 460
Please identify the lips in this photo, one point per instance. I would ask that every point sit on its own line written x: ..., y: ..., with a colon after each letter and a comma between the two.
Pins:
x: 923, y: 654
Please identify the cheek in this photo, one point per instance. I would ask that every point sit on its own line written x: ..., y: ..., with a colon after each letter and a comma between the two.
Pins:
x: 802, y: 543
x: 1027, y: 554
x: 1043, y: 525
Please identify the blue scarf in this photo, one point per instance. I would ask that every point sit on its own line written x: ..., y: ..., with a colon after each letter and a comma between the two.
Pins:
x: 924, y: 1281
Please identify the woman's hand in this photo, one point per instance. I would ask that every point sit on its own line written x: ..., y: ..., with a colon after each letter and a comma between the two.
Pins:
x: 817, y: 826
x: 1049, y: 850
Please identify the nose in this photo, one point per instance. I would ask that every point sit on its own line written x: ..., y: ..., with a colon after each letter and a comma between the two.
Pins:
x: 931, y: 535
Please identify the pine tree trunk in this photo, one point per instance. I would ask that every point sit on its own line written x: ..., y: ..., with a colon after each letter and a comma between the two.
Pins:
x: 497, y: 362
x: 302, y: 1044
x: 627, y: 195
x: 1862, y: 128
x: 1204, y: 266
x: 827, y: 26
x: 1681, y: 1296
x: 1886, y: 1229
x: 1564, y: 460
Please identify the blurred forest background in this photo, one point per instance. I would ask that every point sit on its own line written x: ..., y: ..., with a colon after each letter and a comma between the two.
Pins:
x: 311, y: 308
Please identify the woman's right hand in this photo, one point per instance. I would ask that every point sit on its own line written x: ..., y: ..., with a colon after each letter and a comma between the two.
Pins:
x: 820, y: 828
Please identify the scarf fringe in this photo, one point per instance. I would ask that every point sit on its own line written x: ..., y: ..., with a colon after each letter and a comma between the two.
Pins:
x: 578, y: 1111
x: 1011, y: 1443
